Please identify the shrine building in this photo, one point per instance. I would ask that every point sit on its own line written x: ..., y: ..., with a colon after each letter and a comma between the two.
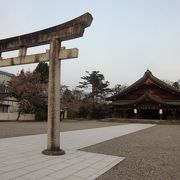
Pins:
x: 147, y: 98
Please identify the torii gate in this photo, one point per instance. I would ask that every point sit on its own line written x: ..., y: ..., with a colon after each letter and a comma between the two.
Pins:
x: 53, y: 36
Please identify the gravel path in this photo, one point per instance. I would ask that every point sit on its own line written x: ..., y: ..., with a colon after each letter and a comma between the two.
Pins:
x: 13, y: 129
x: 151, y: 154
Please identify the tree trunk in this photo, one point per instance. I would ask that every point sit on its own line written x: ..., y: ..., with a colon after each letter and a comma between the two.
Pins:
x: 19, y: 113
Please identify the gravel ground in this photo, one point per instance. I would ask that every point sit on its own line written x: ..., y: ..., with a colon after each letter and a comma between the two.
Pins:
x: 13, y: 129
x: 151, y: 154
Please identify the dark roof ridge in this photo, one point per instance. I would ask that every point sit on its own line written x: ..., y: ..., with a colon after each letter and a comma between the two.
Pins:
x: 171, y: 88
x: 147, y: 74
x: 5, y: 94
x: 6, y: 73
x: 149, y: 96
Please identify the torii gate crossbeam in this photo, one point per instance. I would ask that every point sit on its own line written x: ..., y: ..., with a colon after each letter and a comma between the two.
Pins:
x: 53, y: 36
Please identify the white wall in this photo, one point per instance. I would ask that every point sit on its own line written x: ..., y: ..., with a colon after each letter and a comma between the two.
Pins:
x: 12, y: 102
x: 13, y: 117
x: 4, y: 78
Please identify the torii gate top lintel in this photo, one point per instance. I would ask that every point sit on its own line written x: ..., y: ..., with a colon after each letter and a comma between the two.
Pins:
x: 66, y: 31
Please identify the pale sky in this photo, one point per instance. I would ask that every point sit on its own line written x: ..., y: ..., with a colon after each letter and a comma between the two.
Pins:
x: 126, y: 37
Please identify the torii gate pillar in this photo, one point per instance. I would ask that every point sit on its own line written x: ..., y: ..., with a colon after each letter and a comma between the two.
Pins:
x: 53, y: 147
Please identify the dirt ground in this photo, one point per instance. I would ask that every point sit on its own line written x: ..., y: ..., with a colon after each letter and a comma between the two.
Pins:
x: 13, y: 129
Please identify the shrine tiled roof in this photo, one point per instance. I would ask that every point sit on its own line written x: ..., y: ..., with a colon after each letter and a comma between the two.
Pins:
x: 138, y: 83
x: 4, y: 95
x: 147, y: 97
x: 6, y: 74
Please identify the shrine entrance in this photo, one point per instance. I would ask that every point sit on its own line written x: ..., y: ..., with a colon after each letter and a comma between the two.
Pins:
x: 148, y: 114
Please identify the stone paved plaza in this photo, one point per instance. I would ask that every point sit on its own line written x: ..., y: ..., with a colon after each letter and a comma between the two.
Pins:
x: 21, y: 157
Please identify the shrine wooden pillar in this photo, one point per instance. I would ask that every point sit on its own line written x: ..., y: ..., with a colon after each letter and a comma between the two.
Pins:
x: 174, y: 114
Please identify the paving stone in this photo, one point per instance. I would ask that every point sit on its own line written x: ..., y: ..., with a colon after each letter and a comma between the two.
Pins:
x: 19, y: 178
x: 37, y: 174
x: 74, y: 178
x: 13, y: 167
x: 59, y: 166
x: 99, y: 165
x: 47, y: 178
x: 13, y: 174
x: 63, y: 173
x: 80, y: 166
x: 85, y: 173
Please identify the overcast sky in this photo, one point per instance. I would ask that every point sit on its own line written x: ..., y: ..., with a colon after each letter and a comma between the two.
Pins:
x: 126, y: 37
